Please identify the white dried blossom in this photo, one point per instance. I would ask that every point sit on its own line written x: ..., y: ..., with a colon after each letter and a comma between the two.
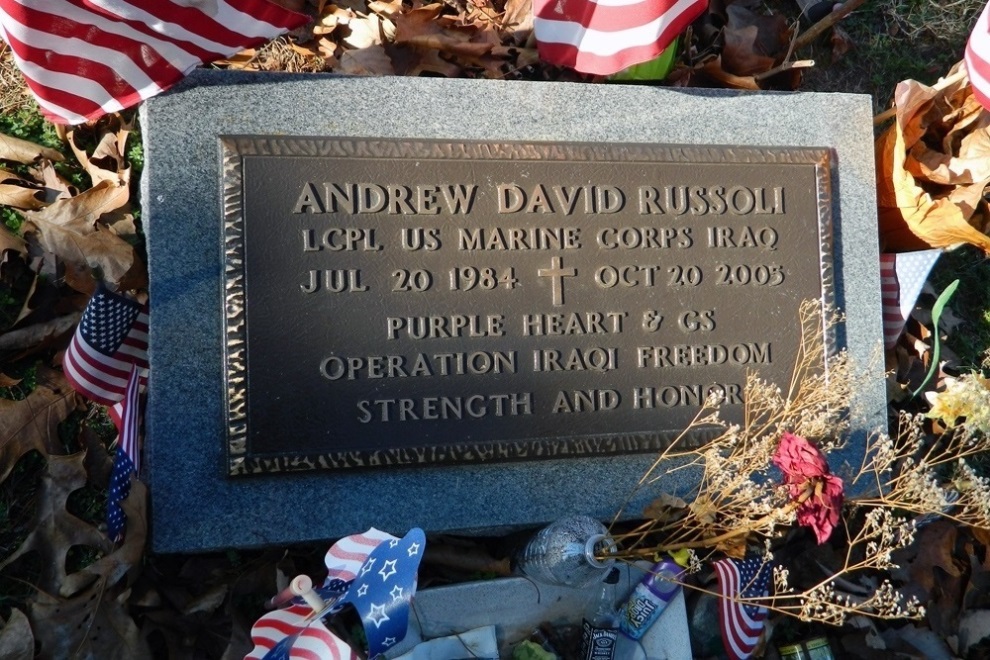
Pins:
x: 964, y: 401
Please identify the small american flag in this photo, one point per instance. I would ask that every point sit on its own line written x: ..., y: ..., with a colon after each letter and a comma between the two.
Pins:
x: 85, y: 58
x: 902, y: 277
x: 376, y: 573
x: 112, y: 337
x: 125, y: 461
x: 741, y: 622
x: 978, y: 58
x: 603, y: 37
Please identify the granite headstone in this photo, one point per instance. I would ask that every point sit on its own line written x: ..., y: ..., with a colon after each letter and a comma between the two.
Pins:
x: 472, y: 305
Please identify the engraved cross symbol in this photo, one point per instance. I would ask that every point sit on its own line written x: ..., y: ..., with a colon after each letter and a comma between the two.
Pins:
x: 558, y: 274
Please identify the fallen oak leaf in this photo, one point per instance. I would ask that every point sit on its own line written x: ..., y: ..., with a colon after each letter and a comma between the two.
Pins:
x: 22, y: 197
x: 107, y: 162
x: 517, y: 21
x: 666, y: 508
x: 125, y: 561
x: 32, y: 423
x: 92, y: 624
x: 753, y: 43
x: 54, y: 181
x: 33, y: 335
x: 22, y: 151
x: 71, y: 229
x: 386, y: 9
x: 54, y: 531
x: 10, y: 242
x: 367, y: 31
x: 372, y: 61
x: 16, y: 638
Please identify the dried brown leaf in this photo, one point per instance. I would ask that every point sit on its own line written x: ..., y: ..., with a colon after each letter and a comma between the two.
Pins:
x: 842, y: 43
x: 936, y: 547
x: 713, y: 69
x: 9, y: 241
x: 16, y: 638
x: 54, y: 530
x: 970, y: 166
x: 21, y: 197
x: 666, y: 508
x: 517, y: 21
x: 54, y: 181
x: 91, y: 624
x: 734, y: 547
x: 386, y: 9
x: 71, y: 229
x: 22, y: 151
x: 107, y: 162
x: 125, y: 561
x: 82, y: 212
x: 753, y: 43
x: 7, y: 381
x: 366, y: 31
x: 39, y: 333
x: 32, y: 423
x: 371, y: 61
x: 910, y: 217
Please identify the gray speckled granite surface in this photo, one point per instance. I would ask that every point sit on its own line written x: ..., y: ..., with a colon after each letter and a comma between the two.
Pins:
x: 196, y: 507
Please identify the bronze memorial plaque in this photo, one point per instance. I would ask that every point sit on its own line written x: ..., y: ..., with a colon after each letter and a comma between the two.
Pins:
x: 422, y: 302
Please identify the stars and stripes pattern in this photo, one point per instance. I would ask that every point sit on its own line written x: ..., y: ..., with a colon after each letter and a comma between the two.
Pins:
x: 346, y: 557
x: 112, y: 337
x: 383, y: 589
x: 295, y: 632
x: 125, y: 460
x: 978, y: 58
x: 85, y: 58
x: 902, y: 277
x: 603, y: 37
x: 741, y: 622
x: 374, y: 571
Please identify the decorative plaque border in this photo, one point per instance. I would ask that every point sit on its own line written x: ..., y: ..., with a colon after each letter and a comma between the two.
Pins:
x: 234, y: 149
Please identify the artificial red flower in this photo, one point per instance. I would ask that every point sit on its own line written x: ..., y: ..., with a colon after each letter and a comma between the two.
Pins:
x: 810, y: 484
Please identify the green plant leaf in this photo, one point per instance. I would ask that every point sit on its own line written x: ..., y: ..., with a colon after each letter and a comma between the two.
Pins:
x: 940, y: 304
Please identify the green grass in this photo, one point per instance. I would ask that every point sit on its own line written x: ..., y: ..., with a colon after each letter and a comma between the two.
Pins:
x: 894, y: 40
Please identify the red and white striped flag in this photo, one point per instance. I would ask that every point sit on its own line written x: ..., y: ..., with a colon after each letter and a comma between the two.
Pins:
x: 112, y: 337
x: 85, y: 58
x: 345, y: 558
x: 740, y: 619
x: 294, y: 633
x: 902, y: 277
x: 127, y: 460
x: 603, y: 37
x: 978, y: 58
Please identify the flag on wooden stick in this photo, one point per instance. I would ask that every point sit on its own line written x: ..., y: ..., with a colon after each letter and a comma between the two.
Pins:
x: 978, y: 58
x: 741, y: 620
x: 112, y: 337
x: 85, y: 58
x: 902, y: 277
x: 126, y: 460
x: 606, y: 36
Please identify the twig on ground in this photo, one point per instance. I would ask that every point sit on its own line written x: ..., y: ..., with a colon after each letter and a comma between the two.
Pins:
x: 812, y: 33
x: 786, y: 66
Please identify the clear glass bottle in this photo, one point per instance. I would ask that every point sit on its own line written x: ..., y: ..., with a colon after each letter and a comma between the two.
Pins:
x: 571, y: 552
